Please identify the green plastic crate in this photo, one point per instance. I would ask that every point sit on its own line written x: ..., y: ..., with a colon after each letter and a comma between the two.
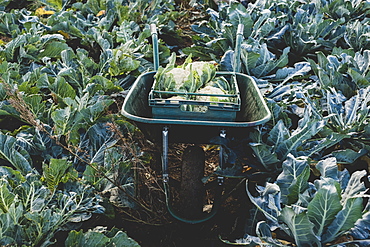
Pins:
x: 164, y: 106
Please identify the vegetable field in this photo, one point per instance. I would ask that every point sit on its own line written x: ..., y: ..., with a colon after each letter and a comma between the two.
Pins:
x: 76, y: 172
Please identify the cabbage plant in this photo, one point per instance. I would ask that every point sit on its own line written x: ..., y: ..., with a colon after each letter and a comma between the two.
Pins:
x: 309, y: 31
x: 357, y: 35
x: 349, y: 10
x: 99, y: 236
x: 34, y: 207
x: 312, y: 213
x: 347, y: 72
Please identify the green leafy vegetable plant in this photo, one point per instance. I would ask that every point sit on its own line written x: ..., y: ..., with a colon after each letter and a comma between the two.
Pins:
x: 218, y: 35
x: 349, y: 10
x: 99, y: 236
x: 310, y: 31
x: 34, y: 207
x: 344, y: 72
x: 258, y: 61
x: 357, y: 35
x: 312, y: 214
x: 281, y: 141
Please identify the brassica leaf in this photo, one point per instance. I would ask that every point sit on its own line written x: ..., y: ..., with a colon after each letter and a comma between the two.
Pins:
x: 11, y: 152
x: 300, y: 226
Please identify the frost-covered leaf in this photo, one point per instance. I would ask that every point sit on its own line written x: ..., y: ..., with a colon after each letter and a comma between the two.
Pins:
x: 14, y: 154
x: 278, y: 134
x: 286, y: 74
x: 316, y: 147
x: 298, y: 137
x: 361, y: 230
x: 324, y: 207
x: 344, y: 220
x: 264, y: 155
x: 348, y: 156
x: 309, y: 31
x: 357, y: 35
x: 249, y: 60
x: 293, y: 180
x: 260, y: 62
x: 354, y: 187
x: 328, y: 168
x: 300, y: 226
x: 268, y: 201
x: 227, y: 61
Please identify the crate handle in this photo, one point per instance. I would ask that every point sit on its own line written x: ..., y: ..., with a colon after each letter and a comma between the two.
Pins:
x: 154, y: 33
x: 202, y: 109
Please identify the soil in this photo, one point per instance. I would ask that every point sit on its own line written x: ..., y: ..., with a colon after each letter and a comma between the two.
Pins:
x: 5, y: 39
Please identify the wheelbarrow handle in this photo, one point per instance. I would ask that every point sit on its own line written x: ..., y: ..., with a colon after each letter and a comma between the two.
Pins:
x: 154, y: 33
x: 238, y: 41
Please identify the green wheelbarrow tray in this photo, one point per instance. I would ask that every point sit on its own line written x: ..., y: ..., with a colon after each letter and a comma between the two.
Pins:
x: 253, y: 112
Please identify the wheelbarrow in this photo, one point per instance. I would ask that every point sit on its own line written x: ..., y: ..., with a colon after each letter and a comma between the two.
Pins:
x: 253, y: 111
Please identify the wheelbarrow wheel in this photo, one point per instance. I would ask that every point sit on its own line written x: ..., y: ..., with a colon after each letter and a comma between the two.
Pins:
x: 192, y: 188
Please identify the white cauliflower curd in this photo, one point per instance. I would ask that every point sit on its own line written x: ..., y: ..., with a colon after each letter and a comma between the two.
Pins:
x: 176, y: 98
x: 180, y: 76
x: 197, y: 66
x: 209, y: 90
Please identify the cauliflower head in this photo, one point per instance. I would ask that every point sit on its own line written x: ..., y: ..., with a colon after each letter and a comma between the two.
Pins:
x: 209, y: 90
x: 179, y: 75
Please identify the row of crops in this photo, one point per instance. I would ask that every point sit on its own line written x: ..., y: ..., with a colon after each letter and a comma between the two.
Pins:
x: 66, y: 153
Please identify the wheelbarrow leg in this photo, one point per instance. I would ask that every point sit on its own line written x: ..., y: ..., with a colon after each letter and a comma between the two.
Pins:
x: 165, y: 154
x: 220, y: 179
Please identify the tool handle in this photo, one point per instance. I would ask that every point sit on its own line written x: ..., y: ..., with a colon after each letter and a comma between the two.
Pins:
x: 239, y: 39
x: 153, y: 31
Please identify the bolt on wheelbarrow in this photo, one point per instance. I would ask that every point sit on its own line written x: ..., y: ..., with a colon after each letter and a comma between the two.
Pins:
x: 171, y: 125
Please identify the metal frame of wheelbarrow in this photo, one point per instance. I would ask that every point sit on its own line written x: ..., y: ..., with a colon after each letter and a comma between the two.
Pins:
x: 254, y: 111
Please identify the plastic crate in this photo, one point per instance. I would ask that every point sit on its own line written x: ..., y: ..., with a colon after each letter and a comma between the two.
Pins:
x: 164, y: 106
